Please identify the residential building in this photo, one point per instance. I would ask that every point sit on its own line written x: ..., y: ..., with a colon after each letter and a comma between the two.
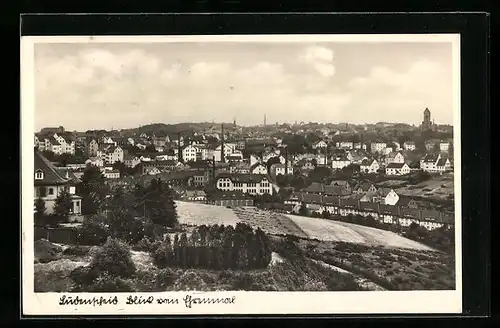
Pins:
x: 444, y: 146
x: 241, y: 168
x: 394, y: 157
x: 131, y: 161
x: 369, y: 166
x: 409, y: 145
x: 95, y: 161
x: 378, y: 147
x: 146, y: 166
x: 254, y: 159
x: 92, y: 147
x: 364, y: 188
x: 196, y: 196
x: 258, y: 168
x: 386, y: 196
x: 345, y: 145
x: 356, y: 156
x: 110, y: 153
x: 280, y: 169
x: 340, y: 161
x: 321, y: 144
x: 51, y: 181
x: 111, y: 174
x: 435, y: 163
x: 397, y: 169
x: 253, y: 184
x: 66, y: 142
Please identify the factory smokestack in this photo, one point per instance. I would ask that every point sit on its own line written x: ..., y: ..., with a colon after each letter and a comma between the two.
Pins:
x: 222, y: 144
x: 213, y: 170
x: 286, y: 161
x: 179, y: 149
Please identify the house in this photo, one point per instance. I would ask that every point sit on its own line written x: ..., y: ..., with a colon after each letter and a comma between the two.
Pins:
x: 92, y: 147
x: 132, y: 161
x: 360, y: 145
x: 201, y: 177
x: 435, y: 163
x: 319, y: 145
x: 397, y: 169
x: 230, y: 198
x: 394, y: 157
x: 258, y: 168
x: 229, y: 148
x: 51, y: 181
x: 345, y: 185
x: 378, y: 147
x: 405, y: 201
x: 95, y: 161
x: 444, y: 146
x: 197, y: 196
x: 236, y: 156
x: 386, y: 196
x: 409, y: 145
x: 346, y: 145
x: 111, y: 174
x: 369, y: 166
x: 431, y: 145
x: 340, y: 161
x: 66, y: 141
x: 306, y: 165
x: 254, y: 184
x: 51, y: 144
x: 356, y: 156
x: 146, y: 166
x: 254, y: 159
x: 279, y: 168
x: 241, y: 168
x: 431, y: 219
x: 364, y: 188
x: 110, y: 153
x: 191, y: 153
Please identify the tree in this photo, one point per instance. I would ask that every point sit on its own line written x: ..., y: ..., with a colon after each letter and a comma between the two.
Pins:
x: 303, y: 210
x: 159, y: 203
x: 63, y: 205
x: 40, y: 211
x: 92, y: 190
x: 150, y: 148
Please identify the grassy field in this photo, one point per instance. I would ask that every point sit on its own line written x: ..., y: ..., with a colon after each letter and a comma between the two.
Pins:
x: 329, y: 230
x: 199, y: 214
x: 303, y: 227
x: 438, y: 187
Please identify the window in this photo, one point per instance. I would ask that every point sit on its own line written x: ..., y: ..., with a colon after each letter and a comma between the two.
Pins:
x: 42, y: 192
x: 51, y: 191
x: 39, y: 175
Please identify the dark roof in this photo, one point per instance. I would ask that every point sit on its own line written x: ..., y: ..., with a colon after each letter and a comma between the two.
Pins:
x: 350, y: 203
x: 331, y: 200
x: 53, y: 141
x: 365, y: 186
x: 367, y: 206
x: 342, y: 183
x: 242, y: 178
x: 312, y: 198
x: 395, y: 165
x: 404, y: 200
x: 431, y: 215
x: 336, y: 191
x: 228, y: 195
x: 411, y: 213
x: 51, y: 174
x: 441, y: 162
x: 388, y: 209
x: 430, y: 158
x: 314, y: 187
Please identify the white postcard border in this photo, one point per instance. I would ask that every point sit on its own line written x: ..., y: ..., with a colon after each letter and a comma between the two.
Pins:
x: 386, y: 302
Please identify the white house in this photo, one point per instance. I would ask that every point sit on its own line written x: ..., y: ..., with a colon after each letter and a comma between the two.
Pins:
x: 435, y: 163
x: 409, y: 145
x: 253, y: 184
x: 378, y: 147
x: 111, y: 174
x: 444, y: 147
x: 280, y: 169
x: 67, y: 145
x: 95, y: 161
x: 397, y: 169
x: 254, y: 159
x: 339, y: 162
x: 111, y: 154
x: 386, y: 197
x: 369, y: 166
x: 319, y: 145
x: 258, y: 168
x: 345, y: 145
x: 395, y: 157
x: 191, y: 153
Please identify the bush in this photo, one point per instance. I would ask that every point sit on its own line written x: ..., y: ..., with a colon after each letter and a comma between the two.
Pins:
x: 92, y: 232
x: 77, y: 250
x: 243, y: 281
x: 114, y: 258
x: 165, y: 278
x: 144, y: 245
x: 108, y: 283
x: 45, y: 251
x: 190, y: 280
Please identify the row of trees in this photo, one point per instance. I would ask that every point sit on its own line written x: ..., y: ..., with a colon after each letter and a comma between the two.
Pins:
x: 62, y: 210
x: 216, y: 247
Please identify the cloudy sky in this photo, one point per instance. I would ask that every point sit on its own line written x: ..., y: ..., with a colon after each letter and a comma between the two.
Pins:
x: 93, y: 86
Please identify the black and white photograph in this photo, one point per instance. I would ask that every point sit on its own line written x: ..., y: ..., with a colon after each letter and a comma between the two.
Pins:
x: 239, y: 169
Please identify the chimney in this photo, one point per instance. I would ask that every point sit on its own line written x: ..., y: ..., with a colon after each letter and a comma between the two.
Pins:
x: 222, y: 144
x: 179, y: 148
x: 286, y: 161
x: 213, y: 170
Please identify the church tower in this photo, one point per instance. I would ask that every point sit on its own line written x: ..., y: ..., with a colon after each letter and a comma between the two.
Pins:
x: 426, y: 123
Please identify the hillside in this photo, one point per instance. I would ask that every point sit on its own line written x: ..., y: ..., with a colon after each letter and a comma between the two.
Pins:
x: 303, y: 227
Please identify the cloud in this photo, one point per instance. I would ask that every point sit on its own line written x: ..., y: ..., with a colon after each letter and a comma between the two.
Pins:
x: 125, y: 87
x: 320, y: 58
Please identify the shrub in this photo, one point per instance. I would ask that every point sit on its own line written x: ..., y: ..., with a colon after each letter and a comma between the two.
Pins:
x: 114, y: 258
x: 243, y: 281
x: 76, y: 250
x: 190, y: 280
x: 165, y: 278
x: 83, y: 276
x: 316, y: 286
x: 45, y: 251
x: 144, y: 245
x: 108, y: 283
x: 92, y: 232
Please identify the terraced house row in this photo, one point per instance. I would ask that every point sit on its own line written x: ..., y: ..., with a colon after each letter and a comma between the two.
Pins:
x: 390, y: 214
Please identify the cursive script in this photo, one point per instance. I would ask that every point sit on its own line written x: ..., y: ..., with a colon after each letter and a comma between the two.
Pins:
x: 189, y: 300
x: 95, y: 301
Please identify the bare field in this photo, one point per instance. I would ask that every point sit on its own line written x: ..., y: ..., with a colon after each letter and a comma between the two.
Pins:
x: 437, y: 187
x: 200, y: 214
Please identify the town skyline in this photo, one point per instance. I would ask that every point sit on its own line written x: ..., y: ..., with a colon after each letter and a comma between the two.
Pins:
x: 120, y: 86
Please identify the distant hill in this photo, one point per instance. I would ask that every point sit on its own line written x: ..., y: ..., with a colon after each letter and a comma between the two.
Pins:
x: 164, y: 129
